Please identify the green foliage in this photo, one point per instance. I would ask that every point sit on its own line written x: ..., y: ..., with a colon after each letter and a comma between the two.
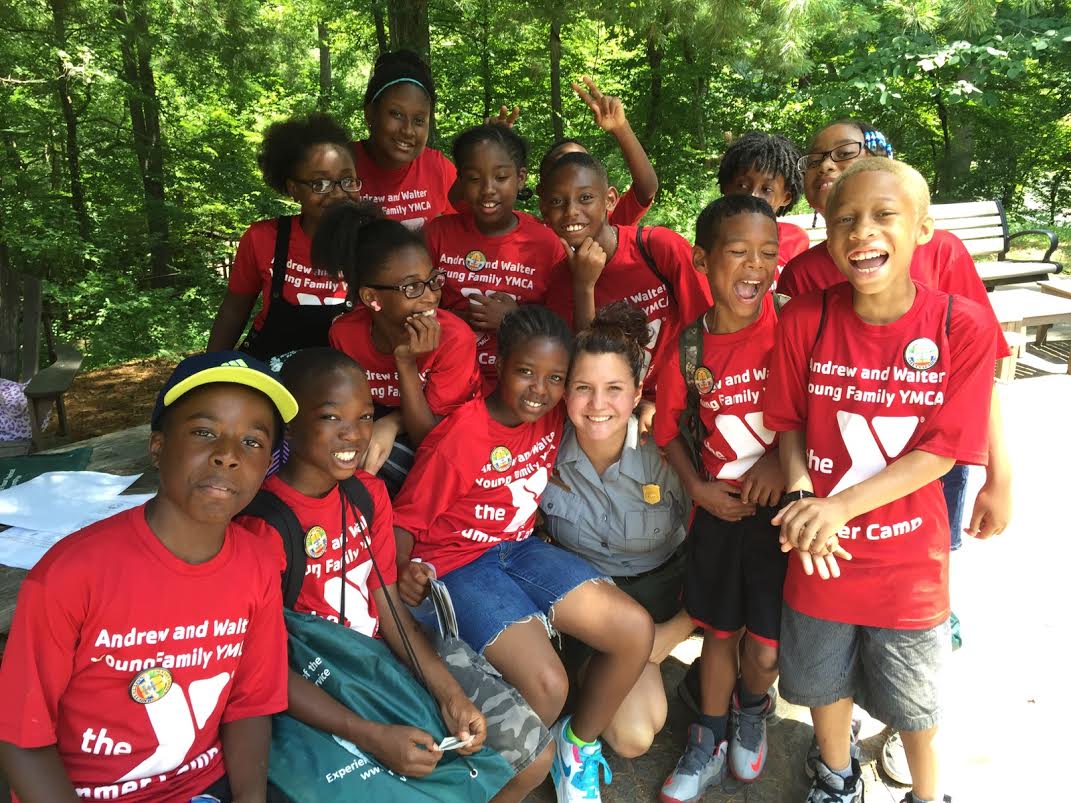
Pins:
x: 976, y: 93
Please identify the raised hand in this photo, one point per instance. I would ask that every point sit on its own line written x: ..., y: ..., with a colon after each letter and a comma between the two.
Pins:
x: 608, y: 111
x: 506, y: 117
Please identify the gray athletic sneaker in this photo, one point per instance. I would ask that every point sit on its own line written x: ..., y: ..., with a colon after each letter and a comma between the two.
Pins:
x: 828, y: 787
x: 701, y: 766
x: 747, y: 740
x: 910, y: 798
x: 814, y: 754
x: 894, y: 760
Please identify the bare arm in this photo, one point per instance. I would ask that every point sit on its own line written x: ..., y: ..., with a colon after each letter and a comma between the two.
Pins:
x: 793, y: 452
x: 417, y: 418
x: 245, y: 754
x: 36, y: 774
x: 993, y: 505
x: 230, y: 321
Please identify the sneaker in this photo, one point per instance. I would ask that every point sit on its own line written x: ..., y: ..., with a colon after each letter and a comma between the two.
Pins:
x: 688, y: 691
x: 910, y: 798
x: 894, y: 760
x: 747, y: 740
x: 701, y: 766
x: 814, y: 754
x: 575, y: 769
x: 828, y: 787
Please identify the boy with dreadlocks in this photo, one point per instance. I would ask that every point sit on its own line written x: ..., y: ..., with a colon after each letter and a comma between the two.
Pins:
x: 765, y: 166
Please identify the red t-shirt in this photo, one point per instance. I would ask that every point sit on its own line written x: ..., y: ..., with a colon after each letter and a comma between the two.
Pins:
x: 449, y: 374
x: 475, y: 483
x: 731, y: 381
x: 518, y: 264
x: 304, y: 285
x: 110, y: 602
x: 629, y: 211
x: 791, y: 242
x: 413, y: 194
x: 944, y: 263
x: 628, y: 277
x: 321, y: 520
x: 866, y: 395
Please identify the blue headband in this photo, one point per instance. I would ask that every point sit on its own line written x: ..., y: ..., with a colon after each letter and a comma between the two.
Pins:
x: 389, y: 84
x: 875, y: 141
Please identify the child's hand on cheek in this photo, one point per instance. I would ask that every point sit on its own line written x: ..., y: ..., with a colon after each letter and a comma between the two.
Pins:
x: 487, y: 311
x: 586, y: 262
x: 423, y: 331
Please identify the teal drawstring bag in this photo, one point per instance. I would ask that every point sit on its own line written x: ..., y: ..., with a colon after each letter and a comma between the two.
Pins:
x: 311, y: 765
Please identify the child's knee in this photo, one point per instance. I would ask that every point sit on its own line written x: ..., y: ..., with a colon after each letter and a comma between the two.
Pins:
x: 762, y: 654
x: 633, y: 739
x: 546, y: 687
x: 633, y: 626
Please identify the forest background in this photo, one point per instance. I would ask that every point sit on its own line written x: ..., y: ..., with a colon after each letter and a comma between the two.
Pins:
x: 129, y: 128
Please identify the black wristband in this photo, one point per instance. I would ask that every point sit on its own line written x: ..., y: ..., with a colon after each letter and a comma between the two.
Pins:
x: 793, y: 496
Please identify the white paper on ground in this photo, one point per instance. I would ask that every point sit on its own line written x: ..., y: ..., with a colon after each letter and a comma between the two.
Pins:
x: 59, y: 501
x: 22, y: 548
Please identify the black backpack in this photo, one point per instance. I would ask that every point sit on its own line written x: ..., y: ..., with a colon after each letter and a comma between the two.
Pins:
x: 276, y: 512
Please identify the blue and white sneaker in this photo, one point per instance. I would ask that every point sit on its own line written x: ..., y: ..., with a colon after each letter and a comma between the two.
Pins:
x: 575, y: 770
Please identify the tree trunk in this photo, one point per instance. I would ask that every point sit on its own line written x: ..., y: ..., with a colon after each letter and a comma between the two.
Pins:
x: 10, y: 311
x: 556, y: 119
x: 1057, y: 183
x: 144, y: 106
x: 70, y: 119
x: 701, y: 87
x: 485, y: 57
x: 324, y: 102
x: 654, y: 95
x: 381, y: 26
x: 409, y: 26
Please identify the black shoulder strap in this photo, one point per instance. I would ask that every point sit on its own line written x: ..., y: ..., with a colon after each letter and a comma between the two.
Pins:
x: 359, y: 497
x: 646, y: 254
x: 821, y: 318
x: 691, y: 358
x: 282, y: 252
x: 277, y: 513
x: 948, y: 316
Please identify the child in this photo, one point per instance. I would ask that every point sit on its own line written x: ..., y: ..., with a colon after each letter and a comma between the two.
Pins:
x: 609, y: 114
x: 494, y: 256
x: 148, y: 652
x: 327, y: 439
x: 732, y: 587
x: 904, y: 371
x: 401, y: 174
x: 610, y: 263
x: 766, y: 166
x: 467, y: 513
x: 307, y: 160
x: 418, y: 358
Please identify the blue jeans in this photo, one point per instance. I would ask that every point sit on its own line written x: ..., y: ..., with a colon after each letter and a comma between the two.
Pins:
x: 512, y: 582
x: 954, y: 484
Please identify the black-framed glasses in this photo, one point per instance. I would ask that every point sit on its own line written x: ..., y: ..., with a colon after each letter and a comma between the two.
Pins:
x: 415, y: 289
x: 841, y: 153
x: 322, y: 186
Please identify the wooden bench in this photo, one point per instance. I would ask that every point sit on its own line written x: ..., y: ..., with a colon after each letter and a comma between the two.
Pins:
x: 20, y: 354
x: 983, y: 228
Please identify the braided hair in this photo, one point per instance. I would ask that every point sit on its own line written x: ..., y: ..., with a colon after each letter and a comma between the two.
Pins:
x: 529, y: 322
x: 766, y: 153
x: 399, y: 66
x: 617, y: 328
x: 354, y: 240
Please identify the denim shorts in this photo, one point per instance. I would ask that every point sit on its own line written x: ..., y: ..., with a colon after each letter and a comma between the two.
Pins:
x: 954, y: 485
x: 512, y: 582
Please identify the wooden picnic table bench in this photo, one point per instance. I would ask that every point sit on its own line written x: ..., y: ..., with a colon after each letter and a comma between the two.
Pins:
x: 1020, y: 308
x: 124, y: 453
x: 983, y: 228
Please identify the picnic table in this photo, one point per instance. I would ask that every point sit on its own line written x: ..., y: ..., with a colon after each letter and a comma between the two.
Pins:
x: 124, y: 453
x: 1021, y: 308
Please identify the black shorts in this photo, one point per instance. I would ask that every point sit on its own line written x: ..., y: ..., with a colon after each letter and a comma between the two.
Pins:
x: 735, y: 575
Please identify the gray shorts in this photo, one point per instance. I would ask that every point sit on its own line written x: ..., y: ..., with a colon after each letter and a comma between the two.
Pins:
x: 893, y: 674
x: 514, y: 731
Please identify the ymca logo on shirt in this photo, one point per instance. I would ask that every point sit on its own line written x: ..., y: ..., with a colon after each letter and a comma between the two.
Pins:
x: 341, y: 577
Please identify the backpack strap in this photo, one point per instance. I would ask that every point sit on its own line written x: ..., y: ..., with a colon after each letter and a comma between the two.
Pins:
x: 282, y: 251
x: 821, y: 318
x: 948, y: 316
x: 649, y: 259
x: 277, y: 513
x: 358, y: 496
x: 691, y: 358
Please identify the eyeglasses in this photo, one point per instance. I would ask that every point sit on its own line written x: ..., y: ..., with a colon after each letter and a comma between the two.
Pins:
x: 841, y: 153
x: 415, y: 289
x: 322, y: 186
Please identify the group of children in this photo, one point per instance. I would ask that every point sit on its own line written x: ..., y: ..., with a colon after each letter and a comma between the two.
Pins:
x: 433, y: 329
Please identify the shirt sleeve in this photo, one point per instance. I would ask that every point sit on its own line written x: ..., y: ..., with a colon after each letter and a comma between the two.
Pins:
x: 959, y: 429
x: 673, y: 255
x: 38, y: 661
x: 455, y: 375
x: 959, y: 276
x: 246, y: 277
x: 786, y: 283
x: 785, y: 398
x: 260, y: 681
x: 670, y: 400
x: 629, y: 211
x: 793, y: 241
x: 449, y: 174
x: 560, y: 291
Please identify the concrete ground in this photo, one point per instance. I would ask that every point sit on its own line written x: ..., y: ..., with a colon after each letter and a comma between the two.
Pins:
x: 1007, y: 708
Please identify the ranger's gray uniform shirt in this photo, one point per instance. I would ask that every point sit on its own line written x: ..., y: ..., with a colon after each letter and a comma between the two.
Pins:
x: 606, y: 520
